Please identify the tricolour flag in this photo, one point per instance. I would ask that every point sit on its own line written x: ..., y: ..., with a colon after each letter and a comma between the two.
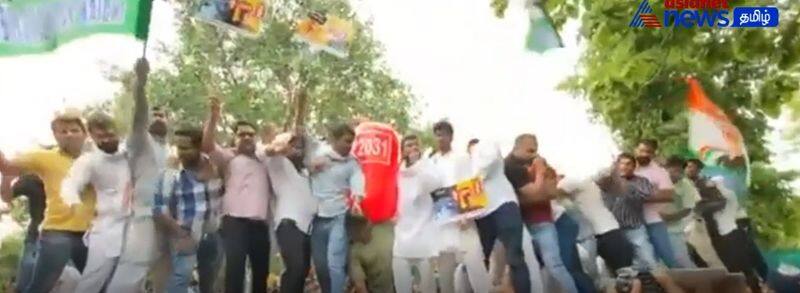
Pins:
x: 712, y: 135
x: 542, y: 35
x: 37, y: 26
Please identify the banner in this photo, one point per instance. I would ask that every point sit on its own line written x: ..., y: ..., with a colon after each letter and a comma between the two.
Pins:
x: 465, y: 200
x: 38, y: 26
x: 713, y: 137
x: 377, y: 149
x: 327, y: 33
x: 243, y: 16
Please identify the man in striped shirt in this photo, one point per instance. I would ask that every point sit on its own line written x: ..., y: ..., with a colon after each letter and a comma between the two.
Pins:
x: 625, y: 196
x: 183, y: 204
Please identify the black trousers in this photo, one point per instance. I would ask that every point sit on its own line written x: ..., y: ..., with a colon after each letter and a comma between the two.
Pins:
x: 243, y: 239
x: 615, y: 249
x: 733, y: 251
x: 755, y: 255
x: 295, y: 248
x: 505, y: 224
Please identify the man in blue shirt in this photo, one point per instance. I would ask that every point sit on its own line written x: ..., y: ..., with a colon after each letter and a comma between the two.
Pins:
x: 335, y: 175
x: 182, y: 205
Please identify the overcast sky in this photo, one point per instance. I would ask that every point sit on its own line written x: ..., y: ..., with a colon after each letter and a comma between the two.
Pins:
x: 462, y: 62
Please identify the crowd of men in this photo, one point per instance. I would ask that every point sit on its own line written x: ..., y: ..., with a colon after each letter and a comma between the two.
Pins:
x: 123, y: 214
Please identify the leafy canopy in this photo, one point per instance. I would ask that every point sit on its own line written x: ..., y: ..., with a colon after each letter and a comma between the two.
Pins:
x: 632, y: 77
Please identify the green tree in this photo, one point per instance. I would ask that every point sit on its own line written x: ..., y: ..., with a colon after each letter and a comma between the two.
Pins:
x: 633, y: 78
x: 274, y: 78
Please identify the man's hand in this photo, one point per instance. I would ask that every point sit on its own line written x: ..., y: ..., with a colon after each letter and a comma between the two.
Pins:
x: 356, y: 209
x: 142, y: 69
x: 463, y: 224
x: 317, y: 165
x: 184, y: 244
x: 216, y: 108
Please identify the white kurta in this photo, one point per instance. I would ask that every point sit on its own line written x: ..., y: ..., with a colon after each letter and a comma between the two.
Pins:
x: 110, y: 177
x: 452, y: 167
x: 415, y: 227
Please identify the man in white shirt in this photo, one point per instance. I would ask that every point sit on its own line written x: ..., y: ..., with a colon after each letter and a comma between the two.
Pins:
x: 147, y: 153
x: 415, y: 228
x: 294, y: 208
x: 729, y: 242
x: 502, y: 219
x: 456, y: 244
x: 106, y: 169
x: 658, y: 176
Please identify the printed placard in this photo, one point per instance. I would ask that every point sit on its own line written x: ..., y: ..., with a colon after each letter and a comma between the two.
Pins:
x: 243, y: 16
x: 328, y: 33
x: 463, y: 201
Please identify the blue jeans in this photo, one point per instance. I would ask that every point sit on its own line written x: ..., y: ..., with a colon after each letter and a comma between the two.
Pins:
x: 26, y: 263
x: 645, y: 259
x: 505, y: 223
x: 329, y: 247
x: 659, y: 237
x: 182, y: 268
x: 545, y: 240
x: 681, y: 250
x: 54, y: 250
x: 568, y: 229
x: 209, y: 258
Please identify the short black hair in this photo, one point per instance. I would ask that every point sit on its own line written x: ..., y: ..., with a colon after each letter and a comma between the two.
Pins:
x: 340, y: 130
x: 473, y: 141
x: 628, y: 156
x: 242, y: 123
x: 192, y: 132
x: 100, y: 120
x: 443, y: 126
x: 697, y: 162
x: 649, y: 142
x: 408, y: 138
x: 675, y: 162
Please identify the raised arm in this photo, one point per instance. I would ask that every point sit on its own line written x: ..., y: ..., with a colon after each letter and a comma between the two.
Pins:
x: 210, y: 129
x: 141, y: 110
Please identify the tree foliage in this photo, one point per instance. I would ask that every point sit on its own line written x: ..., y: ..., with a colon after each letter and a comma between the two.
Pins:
x: 266, y: 79
x: 633, y: 78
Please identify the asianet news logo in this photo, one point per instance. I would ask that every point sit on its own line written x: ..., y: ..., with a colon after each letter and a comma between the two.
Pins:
x: 704, y: 13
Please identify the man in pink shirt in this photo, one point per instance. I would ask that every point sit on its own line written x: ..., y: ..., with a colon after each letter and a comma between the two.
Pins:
x: 659, y: 177
x: 247, y: 191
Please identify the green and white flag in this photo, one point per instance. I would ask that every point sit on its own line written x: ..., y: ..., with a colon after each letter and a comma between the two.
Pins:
x: 38, y: 26
x: 542, y: 36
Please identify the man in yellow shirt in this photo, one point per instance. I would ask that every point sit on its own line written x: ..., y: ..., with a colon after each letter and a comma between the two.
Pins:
x: 63, y: 227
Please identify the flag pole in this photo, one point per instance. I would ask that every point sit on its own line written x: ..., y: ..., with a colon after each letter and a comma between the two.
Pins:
x: 144, y: 49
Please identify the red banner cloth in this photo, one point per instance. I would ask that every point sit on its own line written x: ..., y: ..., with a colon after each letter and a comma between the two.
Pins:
x: 377, y: 149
